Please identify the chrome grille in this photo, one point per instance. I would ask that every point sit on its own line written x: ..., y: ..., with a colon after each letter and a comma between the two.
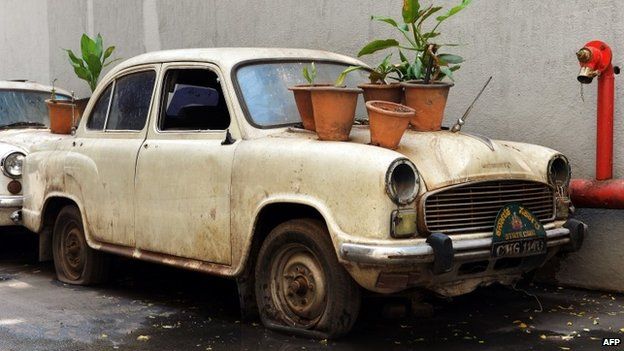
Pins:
x: 474, y: 207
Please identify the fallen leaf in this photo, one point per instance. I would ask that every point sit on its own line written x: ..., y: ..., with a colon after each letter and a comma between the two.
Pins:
x: 569, y: 323
x: 522, y: 325
x: 543, y: 337
x: 586, y: 329
x: 143, y: 338
x: 323, y: 342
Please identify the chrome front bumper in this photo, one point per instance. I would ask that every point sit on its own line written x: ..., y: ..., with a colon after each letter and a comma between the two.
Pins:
x: 11, y: 201
x: 462, y: 250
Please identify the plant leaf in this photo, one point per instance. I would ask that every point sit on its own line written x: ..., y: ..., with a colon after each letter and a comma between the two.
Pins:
x: 87, y: 46
x: 403, y: 57
x: 454, y: 10
x: 95, y: 66
x: 447, y: 72
x: 75, y: 61
x: 83, y: 73
x: 108, y: 52
x: 428, y: 13
x: 377, y: 45
x: 388, y: 20
x: 113, y: 61
x: 306, y: 75
x: 449, y: 58
x: 410, y: 10
x: 98, y: 46
x: 341, y: 78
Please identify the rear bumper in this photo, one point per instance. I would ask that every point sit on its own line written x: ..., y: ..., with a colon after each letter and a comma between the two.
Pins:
x: 570, y: 235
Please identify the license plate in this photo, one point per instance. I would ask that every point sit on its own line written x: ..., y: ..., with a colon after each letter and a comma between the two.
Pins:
x: 519, y: 248
x: 517, y: 233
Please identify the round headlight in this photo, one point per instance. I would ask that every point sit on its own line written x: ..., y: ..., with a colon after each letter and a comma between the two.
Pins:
x: 559, y: 172
x: 12, y: 164
x: 402, y: 181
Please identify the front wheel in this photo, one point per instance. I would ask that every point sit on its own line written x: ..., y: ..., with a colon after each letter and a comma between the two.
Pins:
x: 300, y: 285
x: 75, y: 262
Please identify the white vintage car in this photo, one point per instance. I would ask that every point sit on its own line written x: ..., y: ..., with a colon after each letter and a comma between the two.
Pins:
x: 197, y: 159
x: 23, y: 123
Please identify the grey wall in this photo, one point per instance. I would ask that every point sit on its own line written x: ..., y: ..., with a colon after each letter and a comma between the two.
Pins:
x: 527, y: 45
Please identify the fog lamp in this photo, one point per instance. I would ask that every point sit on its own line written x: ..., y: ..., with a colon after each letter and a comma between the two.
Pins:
x: 403, y: 224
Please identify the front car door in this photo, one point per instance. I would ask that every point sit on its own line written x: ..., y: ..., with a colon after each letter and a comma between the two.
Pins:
x: 106, y: 148
x: 184, y: 168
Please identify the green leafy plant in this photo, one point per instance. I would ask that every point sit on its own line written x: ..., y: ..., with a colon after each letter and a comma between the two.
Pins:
x: 377, y: 75
x: 429, y: 63
x: 310, y: 74
x: 93, y: 59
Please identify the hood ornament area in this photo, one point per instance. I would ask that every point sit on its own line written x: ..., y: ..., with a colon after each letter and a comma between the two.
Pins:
x: 462, y: 120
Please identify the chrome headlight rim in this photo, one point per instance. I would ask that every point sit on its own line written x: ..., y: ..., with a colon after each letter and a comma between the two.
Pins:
x: 402, y: 194
x: 559, y: 172
x: 3, y: 164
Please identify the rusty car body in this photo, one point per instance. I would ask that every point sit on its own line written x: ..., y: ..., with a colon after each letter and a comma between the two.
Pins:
x: 302, y: 224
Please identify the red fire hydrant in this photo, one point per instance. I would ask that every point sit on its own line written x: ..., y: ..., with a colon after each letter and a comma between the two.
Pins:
x: 603, y: 192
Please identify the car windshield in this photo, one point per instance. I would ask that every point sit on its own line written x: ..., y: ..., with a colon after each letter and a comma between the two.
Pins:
x: 264, y: 89
x: 23, y: 107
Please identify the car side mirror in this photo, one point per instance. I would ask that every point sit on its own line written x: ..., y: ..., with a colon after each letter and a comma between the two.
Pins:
x: 185, y: 96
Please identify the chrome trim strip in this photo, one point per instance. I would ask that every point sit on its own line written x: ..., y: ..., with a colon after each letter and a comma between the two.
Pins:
x: 11, y: 201
x: 423, y: 253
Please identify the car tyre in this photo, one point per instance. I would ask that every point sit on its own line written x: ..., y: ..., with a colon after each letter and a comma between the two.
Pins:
x: 75, y: 262
x: 300, y: 285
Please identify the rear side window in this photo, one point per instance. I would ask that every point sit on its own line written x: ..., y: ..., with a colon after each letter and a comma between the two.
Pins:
x: 131, y: 101
x: 98, y: 114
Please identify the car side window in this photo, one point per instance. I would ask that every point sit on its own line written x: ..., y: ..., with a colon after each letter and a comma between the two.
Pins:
x: 98, y: 114
x: 131, y: 101
x: 193, y: 100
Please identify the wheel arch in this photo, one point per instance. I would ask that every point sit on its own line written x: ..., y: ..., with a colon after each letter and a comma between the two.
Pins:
x: 50, y: 210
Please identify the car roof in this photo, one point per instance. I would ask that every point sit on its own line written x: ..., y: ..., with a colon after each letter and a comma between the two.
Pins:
x: 30, y: 86
x: 229, y: 57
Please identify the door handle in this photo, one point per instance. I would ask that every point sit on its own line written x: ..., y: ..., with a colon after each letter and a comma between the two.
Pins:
x: 145, y: 146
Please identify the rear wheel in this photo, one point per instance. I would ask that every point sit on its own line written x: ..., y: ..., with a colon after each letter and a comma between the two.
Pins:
x: 301, y: 286
x: 75, y: 262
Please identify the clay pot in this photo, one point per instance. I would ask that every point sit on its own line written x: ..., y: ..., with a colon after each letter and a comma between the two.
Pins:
x: 388, y: 121
x: 429, y: 101
x: 382, y: 92
x: 334, y: 111
x: 62, y: 115
x: 303, y: 99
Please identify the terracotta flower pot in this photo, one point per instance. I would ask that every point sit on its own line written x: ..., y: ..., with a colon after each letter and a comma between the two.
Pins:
x: 62, y: 115
x: 303, y: 98
x: 384, y: 92
x: 388, y: 121
x: 429, y: 101
x: 334, y: 111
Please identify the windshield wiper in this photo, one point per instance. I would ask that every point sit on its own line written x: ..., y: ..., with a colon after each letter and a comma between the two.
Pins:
x: 22, y: 124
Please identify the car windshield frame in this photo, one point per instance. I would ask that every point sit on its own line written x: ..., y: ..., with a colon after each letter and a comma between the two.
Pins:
x: 41, y: 93
x: 241, y: 97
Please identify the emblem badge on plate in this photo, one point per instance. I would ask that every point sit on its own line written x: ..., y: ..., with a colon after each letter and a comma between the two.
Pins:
x: 517, y: 233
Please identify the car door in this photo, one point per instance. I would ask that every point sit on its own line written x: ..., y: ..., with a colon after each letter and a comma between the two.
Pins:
x: 184, y: 168
x: 104, y: 163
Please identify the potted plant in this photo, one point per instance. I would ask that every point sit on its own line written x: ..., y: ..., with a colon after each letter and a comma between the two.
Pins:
x: 388, y: 122
x: 422, y: 77
x: 89, y: 66
x: 334, y: 110
x: 62, y: 113
x: 379, y: 88
x: 303, y: 96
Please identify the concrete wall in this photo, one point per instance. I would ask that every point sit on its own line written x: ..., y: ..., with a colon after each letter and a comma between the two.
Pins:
x: 527, y: 45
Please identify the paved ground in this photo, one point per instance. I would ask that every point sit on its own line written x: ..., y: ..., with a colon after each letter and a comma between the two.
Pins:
x: 149, y: 307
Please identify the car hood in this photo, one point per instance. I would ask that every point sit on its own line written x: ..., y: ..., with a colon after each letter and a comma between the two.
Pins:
x: 25, y: 138
x: 444, y: 158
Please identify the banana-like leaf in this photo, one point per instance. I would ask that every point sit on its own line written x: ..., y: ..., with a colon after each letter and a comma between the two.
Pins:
x: 108, y: 52
x: 75, y: 61
x: 341, y: 78
x: 87, y: 46
x: 411, y: 9
x: 447, y: 72
x: 83, y: 73
x: 95, y: 65
x: 377, y: 45
x: 454, y: 10
x: 98, y: 46
x: 449, y: 58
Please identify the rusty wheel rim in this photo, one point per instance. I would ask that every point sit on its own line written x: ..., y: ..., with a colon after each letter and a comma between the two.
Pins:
x: 73, y: 252
x: 298, y: 285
